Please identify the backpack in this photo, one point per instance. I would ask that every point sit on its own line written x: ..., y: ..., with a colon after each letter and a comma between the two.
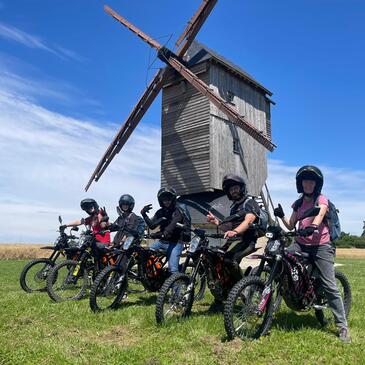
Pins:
x: 263, y: 217
x: 141, y: 226
x: 183, y: 209
x: 332, y: 219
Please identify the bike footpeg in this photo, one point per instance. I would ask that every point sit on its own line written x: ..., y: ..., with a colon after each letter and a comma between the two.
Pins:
x: 319, y: 307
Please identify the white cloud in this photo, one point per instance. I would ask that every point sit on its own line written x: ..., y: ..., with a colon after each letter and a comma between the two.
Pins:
x: 31, y: 41
x: 47, y: 158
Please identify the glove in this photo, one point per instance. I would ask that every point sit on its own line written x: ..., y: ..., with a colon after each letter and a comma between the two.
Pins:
x: 146, y: 209
x: 62, y: 228
x: 279, y: 212
x: 308, y: 231
x: 156, y: 235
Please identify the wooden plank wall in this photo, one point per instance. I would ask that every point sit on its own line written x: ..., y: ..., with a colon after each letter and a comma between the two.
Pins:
x: 251, y: 162
x: 185, y: 136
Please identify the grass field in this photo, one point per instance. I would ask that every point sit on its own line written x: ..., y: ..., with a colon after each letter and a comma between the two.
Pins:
x: 34, y: 330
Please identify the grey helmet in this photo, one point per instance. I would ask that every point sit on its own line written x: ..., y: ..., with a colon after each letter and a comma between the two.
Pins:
x: 127, y: 199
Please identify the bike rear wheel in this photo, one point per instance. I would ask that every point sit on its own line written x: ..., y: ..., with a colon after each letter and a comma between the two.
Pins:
x: 67, y: 281
x: 325, y: 315
x: 242, y: 317
x: 34, y: 275
x: 175, y: 298
x: 108, y: 289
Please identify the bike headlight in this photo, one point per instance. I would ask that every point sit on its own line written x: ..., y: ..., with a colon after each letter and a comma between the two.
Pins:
x: 128, y: 242
x: 194, y: 243
x: 273, y: 246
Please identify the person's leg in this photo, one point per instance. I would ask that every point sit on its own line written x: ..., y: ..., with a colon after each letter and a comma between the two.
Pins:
x: 324, y: 261
x: 173, y: 255
x: 158, y: 245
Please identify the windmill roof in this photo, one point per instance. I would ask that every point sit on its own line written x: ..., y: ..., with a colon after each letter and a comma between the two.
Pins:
x: 198, y: 53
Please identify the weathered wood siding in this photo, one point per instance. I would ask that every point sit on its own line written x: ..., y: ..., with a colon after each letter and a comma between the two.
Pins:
x: 185, y: 136
x: 251, y: 161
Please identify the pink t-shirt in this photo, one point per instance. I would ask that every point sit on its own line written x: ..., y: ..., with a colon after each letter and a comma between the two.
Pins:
x: 316, y: 238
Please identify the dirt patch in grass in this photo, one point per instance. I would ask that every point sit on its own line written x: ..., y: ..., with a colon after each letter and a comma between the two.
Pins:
x: 119, y: 335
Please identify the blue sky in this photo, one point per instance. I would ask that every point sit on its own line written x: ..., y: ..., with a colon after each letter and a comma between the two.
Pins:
x: 70, y: 74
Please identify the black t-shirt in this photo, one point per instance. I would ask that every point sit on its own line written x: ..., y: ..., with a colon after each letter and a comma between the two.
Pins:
x: 249, y: 205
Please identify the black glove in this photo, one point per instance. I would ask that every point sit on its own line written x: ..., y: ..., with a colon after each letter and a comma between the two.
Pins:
x: 279, y: 212
x: 156, y: 235
x: 146, y: 209
x: 308, y: 231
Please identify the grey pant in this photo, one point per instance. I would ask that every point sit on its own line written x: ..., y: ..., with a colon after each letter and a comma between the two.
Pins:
x: 323, y: 257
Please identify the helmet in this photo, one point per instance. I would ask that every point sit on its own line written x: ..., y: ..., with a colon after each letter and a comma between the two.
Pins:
x: 232, y: 180
x: 309, y: 172
x: 169, y: 192
x: 127, y: 199
x: 88, y: 204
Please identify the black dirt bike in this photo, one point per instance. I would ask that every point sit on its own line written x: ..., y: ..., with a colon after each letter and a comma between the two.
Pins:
x: 253, y: 301
x: 134, y: 265
x: 176, y: 296
x: 34, y: 275
x: 70, y: 279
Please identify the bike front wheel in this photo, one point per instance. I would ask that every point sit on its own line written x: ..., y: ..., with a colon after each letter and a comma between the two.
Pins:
x: 242, y: 315
x: 175, y: 298
x: 108, y: 289
x: 34, y: 275
x: 67, y: 281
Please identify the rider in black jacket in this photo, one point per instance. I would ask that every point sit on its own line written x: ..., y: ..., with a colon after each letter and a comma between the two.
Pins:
x: 169, y: 235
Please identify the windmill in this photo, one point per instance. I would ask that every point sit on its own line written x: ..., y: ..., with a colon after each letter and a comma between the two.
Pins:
x: 186, y: 159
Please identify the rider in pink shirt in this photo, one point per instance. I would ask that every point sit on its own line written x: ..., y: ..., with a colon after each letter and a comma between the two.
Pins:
x: 315, y: 239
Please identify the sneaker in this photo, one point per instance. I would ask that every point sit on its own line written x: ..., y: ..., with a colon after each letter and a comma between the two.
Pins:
x: 344, y: 335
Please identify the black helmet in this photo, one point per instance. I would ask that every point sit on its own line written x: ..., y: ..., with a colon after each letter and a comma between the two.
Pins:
x: 88, y: 204
x: 169, y: 192
x: 127, y: 199
x: 309, y: 172
x: 231, y: 180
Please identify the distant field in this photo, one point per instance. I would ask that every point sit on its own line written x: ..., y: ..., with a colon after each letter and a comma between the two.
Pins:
x: 31, y: 251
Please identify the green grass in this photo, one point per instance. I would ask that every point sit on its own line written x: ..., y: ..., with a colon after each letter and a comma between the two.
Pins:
x: 34, y: 330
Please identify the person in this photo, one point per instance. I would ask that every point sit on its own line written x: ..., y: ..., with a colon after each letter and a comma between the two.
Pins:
x: 97, y: 221
x: 315, y: 238
x: 166, y: 219
x: 241, y: 236
x: 127, y: 223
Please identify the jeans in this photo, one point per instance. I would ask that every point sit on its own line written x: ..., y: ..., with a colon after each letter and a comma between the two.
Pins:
x: 173, y: 253
x: 323, y: 257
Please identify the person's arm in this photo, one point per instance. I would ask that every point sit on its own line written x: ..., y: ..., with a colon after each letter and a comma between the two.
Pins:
x: 243, y: 227
x: 288, y: 223
x: 75, y: 223
x: 211, y: 218
x: 291, y: 222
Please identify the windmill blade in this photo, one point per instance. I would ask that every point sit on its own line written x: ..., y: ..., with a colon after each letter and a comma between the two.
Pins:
x: 194, y: 26
x: 171, y: 59
x: 128, y: 127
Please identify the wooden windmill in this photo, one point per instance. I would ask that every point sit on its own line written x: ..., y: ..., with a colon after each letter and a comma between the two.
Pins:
x: 215, y: 117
